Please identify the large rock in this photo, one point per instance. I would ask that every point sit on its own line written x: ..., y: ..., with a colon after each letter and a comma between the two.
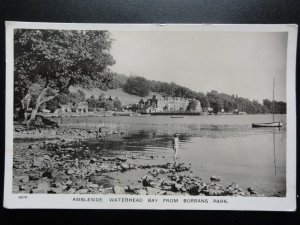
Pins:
x: 70, y: 149
x: 70, y: 171
x: 82, y: 191
x: 140, y: 192
x: 251, y: 191
x: 56, y: 190
x: 119, y: 190
x: 23, y: 179
x: 215, y: 179
x: 131, y: 188
x: 71, y: 191
x: 15, y: 189
x: 176, y: 187
x: 232, y: 189
x: 213, y: 189
x: 146, y: 180
x: 122, y: 159
x: 38, y: 162
x: 42, y: 187
x: 124, y: 167
x: 51, y: 173
x: 93, y: 160
x: 152, y: 191
x: 193, y: 189
x: 79, y: 183
x: 34, y: 176
x: 92, y: 185
x: 24, y: 187
x: 100, y: 180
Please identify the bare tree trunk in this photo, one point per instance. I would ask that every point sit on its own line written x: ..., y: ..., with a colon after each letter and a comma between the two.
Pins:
x: 33, y: 113
x: 39, y: 101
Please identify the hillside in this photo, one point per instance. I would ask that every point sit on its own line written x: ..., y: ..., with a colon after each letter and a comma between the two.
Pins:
x: 124, y: 97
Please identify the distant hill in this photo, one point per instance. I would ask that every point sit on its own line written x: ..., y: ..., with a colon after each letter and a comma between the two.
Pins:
x: 124, y: 97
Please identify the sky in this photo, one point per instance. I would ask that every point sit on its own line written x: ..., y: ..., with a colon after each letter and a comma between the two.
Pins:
x: 242, y: 63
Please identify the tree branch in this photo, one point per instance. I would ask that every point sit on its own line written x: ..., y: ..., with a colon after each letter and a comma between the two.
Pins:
x: 48, y: 98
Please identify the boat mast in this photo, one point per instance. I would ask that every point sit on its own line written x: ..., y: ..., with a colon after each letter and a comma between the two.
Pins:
x: 273, y: 98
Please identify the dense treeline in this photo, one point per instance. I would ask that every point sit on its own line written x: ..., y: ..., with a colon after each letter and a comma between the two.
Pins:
x: 116, y: 81
x: 212, y: 100
x: 136, y: 85
x: 107, y: 104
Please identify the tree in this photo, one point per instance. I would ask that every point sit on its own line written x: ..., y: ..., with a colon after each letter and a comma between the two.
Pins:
x: 117, y: 104
x: 108, y: 105
x: 215, y: 101
x: 137, y: 86
x: 135, y: 107
x: 141, y: 102
x: 192, y: 105
x: 92, y: 103
x: 118, y: 81
x: 268, y: 105
x: 57, y: 59
x: 81, y: 96
x: 101, y: 97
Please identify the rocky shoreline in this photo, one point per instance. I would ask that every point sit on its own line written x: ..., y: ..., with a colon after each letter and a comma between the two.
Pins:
x: 58, y: 161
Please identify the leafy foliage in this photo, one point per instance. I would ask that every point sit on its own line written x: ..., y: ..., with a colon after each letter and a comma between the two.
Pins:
x: 117, y: 104
x: 192, y: 105
x: 57, y: 59
x: 137, y: 86
x: 117, y: 81
x: 64, y: 99
x: 102, y: 102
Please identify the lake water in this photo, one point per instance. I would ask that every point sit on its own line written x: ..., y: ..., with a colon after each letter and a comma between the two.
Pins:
x: 223, y: 145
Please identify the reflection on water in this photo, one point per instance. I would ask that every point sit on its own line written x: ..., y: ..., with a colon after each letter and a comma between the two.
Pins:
x: 226, y: 146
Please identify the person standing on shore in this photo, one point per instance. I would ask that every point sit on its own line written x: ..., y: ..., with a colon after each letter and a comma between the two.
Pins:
x: 175, y: 143
x: 100, y: 132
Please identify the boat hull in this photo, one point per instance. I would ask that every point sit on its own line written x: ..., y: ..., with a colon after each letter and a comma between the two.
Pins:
x: 273, y: 124
x: 122, y: 114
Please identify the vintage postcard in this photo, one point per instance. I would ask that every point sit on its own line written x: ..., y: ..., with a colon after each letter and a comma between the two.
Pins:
x: 150, y: 116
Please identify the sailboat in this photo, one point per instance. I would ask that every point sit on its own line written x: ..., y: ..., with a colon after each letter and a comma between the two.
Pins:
x: 271, y: 124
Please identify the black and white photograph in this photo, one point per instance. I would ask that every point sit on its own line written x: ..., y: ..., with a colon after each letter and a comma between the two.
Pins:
x: 182, y: 116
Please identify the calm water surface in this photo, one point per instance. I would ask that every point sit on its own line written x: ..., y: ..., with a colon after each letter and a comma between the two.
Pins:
x: 224, y: 145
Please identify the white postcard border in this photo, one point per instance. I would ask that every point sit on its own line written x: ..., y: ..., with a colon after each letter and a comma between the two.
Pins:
x: 84, y: 201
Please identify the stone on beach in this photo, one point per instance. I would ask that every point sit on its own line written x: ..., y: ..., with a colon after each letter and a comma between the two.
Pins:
x: 122, y: 159
x: 71, y: 191
x: 70, y: 171
x: 131, y: 188
x: 251, y: 191
x: 153, y: 191
x: 124, y: 166
x: 176, y: 187
x: 140, y: 192
x: 56, y: 190
x: 215, y: 178
x: 24, y: 187
x: 119, y: 190
x: 23, y: 179
x: 193, y: 189
x: 42, y: 187
x: 82, y: 191
x: 37, y: 162
x: 146, y: 180
x: 93, y: 160
x: 50, y: 173
x: 92, y: 185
